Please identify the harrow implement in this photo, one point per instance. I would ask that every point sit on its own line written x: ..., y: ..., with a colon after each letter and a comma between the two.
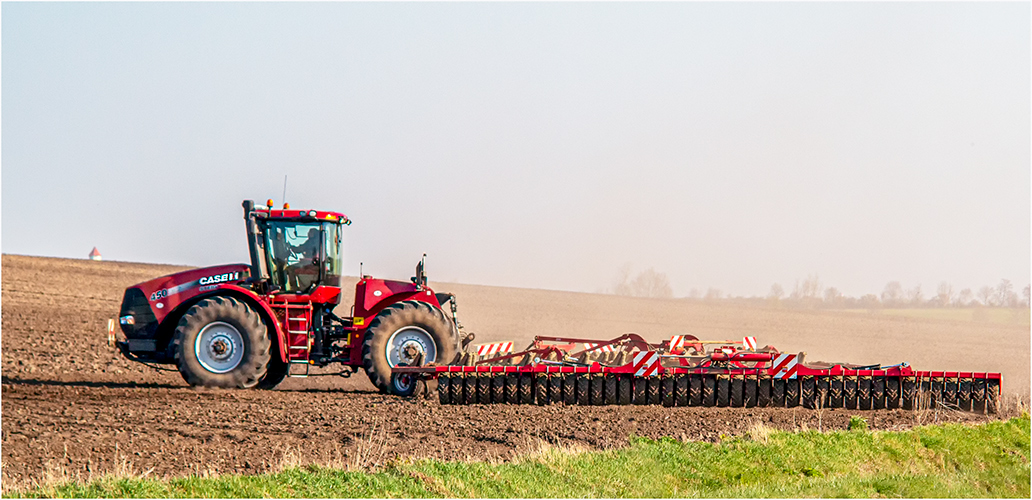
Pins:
x: 686, y: 371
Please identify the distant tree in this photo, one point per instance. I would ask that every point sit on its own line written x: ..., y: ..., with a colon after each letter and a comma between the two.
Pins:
x: 944, y: 294
x: 913, y: 296
x: 622, y: 286
x: 892, y: 294
x: 1004, y: 294
x: 833, y: 297
x: 695, y: 294
x: 713, y: 294
x: 869, y: 301
x: 986, y: 294
x: 1027, y: 294
x: 965, y: 297
x: 811, y: 288
x: 776, y: 292
x: 650, y: 283
x: 647, y: 283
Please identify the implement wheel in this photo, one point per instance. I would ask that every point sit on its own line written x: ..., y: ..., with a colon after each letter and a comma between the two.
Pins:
x: 864, y: 393
x: 469, y: 391
x: 498, y: 388
x: 977, y: 395
x: 583, y: 389
x: 526, y: 389
x: 667, y: 391
x: 964, y: 394
x: 681, y: 390
x: 751, y: 386
x: 455, y: 390
x: 763, y: 399
x: 597, y: 390
x: 653, y: 391
x: 849, y: 392
x: 709, y: 390
x: 612, y: 396
x: 779, y: 393
x: 570, y: 389
x: 695, y: 390
x: 892, y: 393
x: 792, y: 392
x: 809, y: 393
x: 512, y: 389
x: 878, y: 393
x: 555, y: 388
x: 737, y: 391
x: 723, y: 391
x: 483, y: 389
x: 443, y: 389
x: 541, y: 390
x: 638, y: 389
x: 624, y: 388
x: 835, y: 395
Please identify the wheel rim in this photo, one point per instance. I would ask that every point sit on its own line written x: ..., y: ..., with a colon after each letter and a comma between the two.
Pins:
x: 406, y: 343
x: 403, y: 382
x: 219, y: 347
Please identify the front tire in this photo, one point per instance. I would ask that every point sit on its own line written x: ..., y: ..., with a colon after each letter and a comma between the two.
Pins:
x: 276, y: 372
x: 397, y: 332
x: 221, y: 342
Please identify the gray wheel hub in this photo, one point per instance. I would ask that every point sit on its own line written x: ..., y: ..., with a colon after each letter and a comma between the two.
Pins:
x: 219, y: 347
x: 405, y: 345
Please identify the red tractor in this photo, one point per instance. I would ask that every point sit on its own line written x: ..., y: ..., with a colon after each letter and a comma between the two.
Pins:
x: 244, y: 326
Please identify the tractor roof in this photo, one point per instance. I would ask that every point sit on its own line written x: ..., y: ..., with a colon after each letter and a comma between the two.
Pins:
x: 302, y: 215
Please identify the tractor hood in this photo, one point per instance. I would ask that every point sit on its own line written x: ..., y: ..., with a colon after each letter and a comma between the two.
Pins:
x: 160, y: 296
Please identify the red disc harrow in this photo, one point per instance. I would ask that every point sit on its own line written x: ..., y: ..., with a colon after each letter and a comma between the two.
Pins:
x: 687, y: 371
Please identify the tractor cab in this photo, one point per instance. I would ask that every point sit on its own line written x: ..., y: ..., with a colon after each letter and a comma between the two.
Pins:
x: 294, y: 251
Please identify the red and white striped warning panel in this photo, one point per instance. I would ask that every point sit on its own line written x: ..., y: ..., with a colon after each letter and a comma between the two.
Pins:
x: 646, y: 363
x: 676, y: 343
x: 605, y: 348
x: 495, y: 348
x: 750, y: 343
x: 785, y: 366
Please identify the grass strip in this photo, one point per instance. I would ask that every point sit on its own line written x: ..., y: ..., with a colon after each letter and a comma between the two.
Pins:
x: 951, y: 460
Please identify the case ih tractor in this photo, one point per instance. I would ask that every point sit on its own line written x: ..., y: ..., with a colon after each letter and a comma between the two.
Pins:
x: 244, y: 326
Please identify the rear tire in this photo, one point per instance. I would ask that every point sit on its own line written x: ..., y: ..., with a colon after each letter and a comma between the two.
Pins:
x: 221, y: 342
x: 402, y: 317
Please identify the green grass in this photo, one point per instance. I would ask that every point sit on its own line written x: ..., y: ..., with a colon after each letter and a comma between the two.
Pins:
x: 953, y: 460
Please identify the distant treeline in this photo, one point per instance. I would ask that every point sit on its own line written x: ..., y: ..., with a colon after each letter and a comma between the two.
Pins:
x: 811, y: 294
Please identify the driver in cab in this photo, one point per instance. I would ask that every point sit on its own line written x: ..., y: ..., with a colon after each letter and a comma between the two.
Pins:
x: 308, y: 251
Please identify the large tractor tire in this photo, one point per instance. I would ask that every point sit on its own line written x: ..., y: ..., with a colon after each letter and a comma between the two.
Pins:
x: 221, y: 342
x: 275, y: 374
x: 399, y: 336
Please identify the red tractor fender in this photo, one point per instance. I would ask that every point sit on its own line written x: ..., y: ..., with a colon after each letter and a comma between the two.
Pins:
x: 374, y: 295
x: 254, y: 300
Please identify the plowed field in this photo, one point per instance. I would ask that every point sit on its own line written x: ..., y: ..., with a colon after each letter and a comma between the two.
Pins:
x: 71, y: 402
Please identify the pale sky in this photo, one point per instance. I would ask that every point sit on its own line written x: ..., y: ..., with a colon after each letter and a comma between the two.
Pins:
x: 537, y: 145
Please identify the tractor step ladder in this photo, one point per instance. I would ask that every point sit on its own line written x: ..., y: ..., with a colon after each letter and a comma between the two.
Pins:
x: 297, y: 323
